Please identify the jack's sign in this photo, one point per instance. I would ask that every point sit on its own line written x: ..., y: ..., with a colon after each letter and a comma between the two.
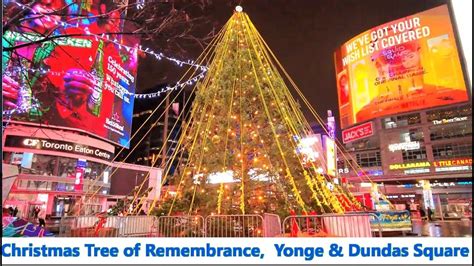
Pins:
x: 357, y: 132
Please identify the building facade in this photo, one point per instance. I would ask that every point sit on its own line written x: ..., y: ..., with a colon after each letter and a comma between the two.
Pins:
x: 58, y: 168
x: 417, y: 159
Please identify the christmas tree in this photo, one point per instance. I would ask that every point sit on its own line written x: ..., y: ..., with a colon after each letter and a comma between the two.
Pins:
x: 238, y: 150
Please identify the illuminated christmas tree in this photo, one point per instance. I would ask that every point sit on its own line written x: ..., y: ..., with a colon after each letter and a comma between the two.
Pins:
x: 240, y: 141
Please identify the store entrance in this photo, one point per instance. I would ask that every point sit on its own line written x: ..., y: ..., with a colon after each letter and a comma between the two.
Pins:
x: 62, y: 206
x: 33, y: 210
x: 455, y: 206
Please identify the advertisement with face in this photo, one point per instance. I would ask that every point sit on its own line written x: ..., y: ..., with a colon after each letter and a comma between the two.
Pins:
x: 64, y: 67
x: 404, y: 65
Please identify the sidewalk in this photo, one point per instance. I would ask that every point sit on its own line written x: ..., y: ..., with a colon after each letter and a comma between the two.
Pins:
x: 442, y: 228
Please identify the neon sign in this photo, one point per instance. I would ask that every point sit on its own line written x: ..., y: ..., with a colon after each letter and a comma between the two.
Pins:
x: 454, y: 162
x: 399, y: 166
x: 449, y: 120
x: 357, y: 132
x: 439, y: 184
x: 453, y: 165
x: 453, y: 168
x: 416, y: 171
x: 413, y: 145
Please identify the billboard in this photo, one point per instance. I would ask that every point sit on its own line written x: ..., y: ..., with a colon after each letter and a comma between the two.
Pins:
x: 463, y: 17
x: 311, y: 150
x: 68, y: 70
x: 404, y: 65
x: 330, y: 146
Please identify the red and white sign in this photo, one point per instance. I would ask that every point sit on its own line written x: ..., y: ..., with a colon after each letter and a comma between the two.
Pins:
x: 357, y: 132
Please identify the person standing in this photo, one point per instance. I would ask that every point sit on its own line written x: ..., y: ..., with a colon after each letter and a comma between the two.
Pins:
x: 430, y: 214
x: 42, y: 217
x: 422, y: 213
x: 35, y: 212
x: 15, y: 211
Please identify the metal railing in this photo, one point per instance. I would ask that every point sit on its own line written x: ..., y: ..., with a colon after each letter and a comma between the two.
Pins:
x: 180, y: 226
x: 137, y: 226
x: 331, y: 225
x: 110, y: 226
x: 87, y: 226
x: 249, y: 225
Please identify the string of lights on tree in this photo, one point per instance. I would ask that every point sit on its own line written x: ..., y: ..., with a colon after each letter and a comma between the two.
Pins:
x: 189, y: 82
x: 8, y: 114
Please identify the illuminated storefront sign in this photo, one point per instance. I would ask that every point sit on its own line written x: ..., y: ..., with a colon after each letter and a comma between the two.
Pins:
x: 453, y: 165
x: 450, y: 120
x: 371, y: 172
x: 464, y: 164
x: 365, y: 184
x: 358, y: 132
x: 455, y: 162
x: 439, y: 184
x: 416, y: 171
x: 56, y: 145
x: 413, y: 145
x: 403, y: 196
x: 453, y: 168
x: 343, y: 170
x: 399, y: 166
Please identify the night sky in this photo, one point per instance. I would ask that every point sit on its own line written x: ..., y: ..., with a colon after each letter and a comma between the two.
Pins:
x: 303, y: 34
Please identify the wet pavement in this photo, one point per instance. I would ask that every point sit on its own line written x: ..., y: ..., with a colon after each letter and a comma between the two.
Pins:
x: 442, y: 229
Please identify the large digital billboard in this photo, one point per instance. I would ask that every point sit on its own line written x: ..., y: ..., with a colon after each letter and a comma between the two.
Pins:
x: 408, y: 64
x: 65, y: 68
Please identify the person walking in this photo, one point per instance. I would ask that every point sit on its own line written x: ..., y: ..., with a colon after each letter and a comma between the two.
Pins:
x: 15, y: 211
x: 42, y: 217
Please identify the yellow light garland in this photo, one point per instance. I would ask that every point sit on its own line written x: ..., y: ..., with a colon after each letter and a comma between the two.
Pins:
x: 219, y: 198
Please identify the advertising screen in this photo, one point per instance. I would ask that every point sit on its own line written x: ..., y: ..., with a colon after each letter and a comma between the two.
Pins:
x: 330, y: 156
x: 463, y: 16
x: 404, y: 65
x: 68, y: 70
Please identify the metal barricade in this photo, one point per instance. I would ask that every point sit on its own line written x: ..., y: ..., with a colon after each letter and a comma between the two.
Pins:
x: 137, y: 226
x: 271, y: 225
x: 180, y: 226
x: 87, y: 226
x: 249, y: 225
x: 65, y: 226
x: 334, y: 225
